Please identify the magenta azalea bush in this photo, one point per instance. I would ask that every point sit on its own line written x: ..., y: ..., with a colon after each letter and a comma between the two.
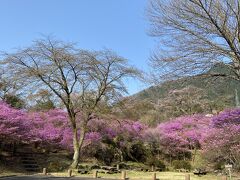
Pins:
x: 178, y: 137
x: 51, y: 130
x: 227, y: 117
x: 222, y: 142
x: 115, y: 139
x: 217, y: 137
x: 14, y: 124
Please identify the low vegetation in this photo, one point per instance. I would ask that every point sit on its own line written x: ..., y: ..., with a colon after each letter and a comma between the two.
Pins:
x: 176, y: 143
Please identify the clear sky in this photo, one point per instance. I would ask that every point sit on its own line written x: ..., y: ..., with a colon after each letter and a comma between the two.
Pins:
x: 120, y: 25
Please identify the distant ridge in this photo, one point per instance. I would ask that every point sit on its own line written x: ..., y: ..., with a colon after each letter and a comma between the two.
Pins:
x: 215, y: 88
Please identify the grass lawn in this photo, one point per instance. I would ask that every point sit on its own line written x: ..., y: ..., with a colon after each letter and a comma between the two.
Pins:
x: 148, y: 176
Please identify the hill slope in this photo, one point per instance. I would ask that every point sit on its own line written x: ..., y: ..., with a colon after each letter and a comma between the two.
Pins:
x: 214, y: 88
x: 217, y: 94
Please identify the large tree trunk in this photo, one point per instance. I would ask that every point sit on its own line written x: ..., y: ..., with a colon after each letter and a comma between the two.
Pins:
x: 77, y: 144
x: 75, y: 158
x: 76, y: 149
x: 78, y: 139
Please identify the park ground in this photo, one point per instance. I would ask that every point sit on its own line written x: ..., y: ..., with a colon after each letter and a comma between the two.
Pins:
x: 135, y: 175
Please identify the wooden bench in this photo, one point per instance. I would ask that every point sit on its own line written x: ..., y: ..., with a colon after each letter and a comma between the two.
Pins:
x: 200, y: 172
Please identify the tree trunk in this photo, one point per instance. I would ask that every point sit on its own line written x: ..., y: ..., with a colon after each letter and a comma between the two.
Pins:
x: 76, y: 149
x: 75, y: 158
x: 237, y: 103
x: 194, y: 155
x: 77, y: 139
x: 77, y: 144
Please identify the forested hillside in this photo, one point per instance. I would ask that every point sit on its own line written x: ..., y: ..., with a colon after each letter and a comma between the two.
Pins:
x: 190, y: 95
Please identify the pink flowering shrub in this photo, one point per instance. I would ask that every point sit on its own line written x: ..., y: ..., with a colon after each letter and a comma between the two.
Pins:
x: 14, y: 124
x: 218, y: 137
x: 227, y: 117
x: 222, y: 142
x: 118, y: 138
x: 51, y: 128
x: 176, y: 138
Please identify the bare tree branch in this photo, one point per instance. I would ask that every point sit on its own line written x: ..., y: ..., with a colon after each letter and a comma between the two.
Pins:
x: 194, y: 35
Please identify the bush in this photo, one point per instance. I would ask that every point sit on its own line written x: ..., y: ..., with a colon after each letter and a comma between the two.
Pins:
x: 181, y: 164
x: 218, y: 166
x: 95, y: 166
x: 152, y: 161
x: 160, y: 165
x: 123, y: 165
x: 105, y: 155
x: 138, y: 152
x: 55, y: 167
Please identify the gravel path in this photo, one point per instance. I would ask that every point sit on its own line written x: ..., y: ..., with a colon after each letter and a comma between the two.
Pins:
x: 47, y: 177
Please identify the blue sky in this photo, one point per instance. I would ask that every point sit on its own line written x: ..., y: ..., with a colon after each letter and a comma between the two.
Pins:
x: 120, y: 25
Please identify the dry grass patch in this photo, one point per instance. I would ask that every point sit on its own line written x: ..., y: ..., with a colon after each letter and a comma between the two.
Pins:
x: 136, y: 175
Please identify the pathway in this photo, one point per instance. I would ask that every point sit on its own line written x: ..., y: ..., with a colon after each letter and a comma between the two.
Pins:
x: 46, y: 177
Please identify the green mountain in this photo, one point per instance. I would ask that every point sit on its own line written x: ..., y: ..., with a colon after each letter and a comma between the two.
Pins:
x: 157, y: 103
x: 213, y: 87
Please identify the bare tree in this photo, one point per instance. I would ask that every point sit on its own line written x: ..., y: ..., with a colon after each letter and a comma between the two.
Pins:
x: 9, y: 91
x: 194, y: 35
x: 80, y: 79
x: 6, y: 87
x: 42, y: 100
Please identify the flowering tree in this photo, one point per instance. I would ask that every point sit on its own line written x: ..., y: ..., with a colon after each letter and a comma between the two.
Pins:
x: 217, y: 136
x: 48, y: 128
x: 179, y: 137
x: 14, y: 124
x: 222, y: 142
x: 121, y: 137
x: 51, y: 128
x: 130, y: 140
